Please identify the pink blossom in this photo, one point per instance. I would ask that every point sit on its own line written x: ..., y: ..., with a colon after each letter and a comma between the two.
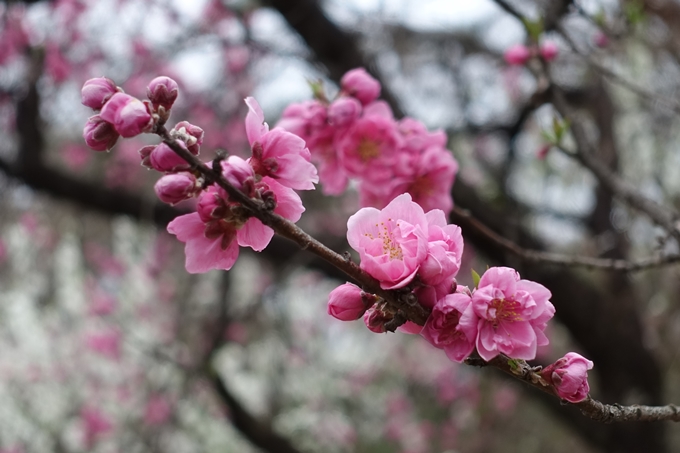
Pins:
x: 162, y: 92
x: 452, y: 326
x: 569, y: 377
x: 513, y: 314
x: 207, y: 247
x: 99, y: 135
x: 212, y: 235
x: 430, y: 184
x: 444, y: 250
x: 158, y: 410
x: 375, y: 320
x: 549, y: 50
x: 102, y: 305
x: 95, y: 425
x: 106, y: 344
x: 129, y: 115
x: 517, y: 55
x: 278, y: 153
x: 347, y: 302
x: 177, y: 187
x: 392, y: 243
x: 343, y: 111
x: 369, y: 147
x: 76, y: 156
x: 359, y: 84
x: 97, y: 91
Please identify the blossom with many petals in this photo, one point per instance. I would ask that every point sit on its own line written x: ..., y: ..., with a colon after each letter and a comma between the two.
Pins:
x: 512, y: 314
x: 452, y: 326
x: 569, y: 376
x: 392, y: 243
x: 278, y: 153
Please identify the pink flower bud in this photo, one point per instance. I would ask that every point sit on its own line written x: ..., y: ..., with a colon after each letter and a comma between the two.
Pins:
x: 177, y: 187
x: 145, y: 154
x: 162, y: 158
x: 375, y: 320
x: 345, y: 303
x: 517, y: 55
x: 343, y: 111
x: 359, y: 84
x: 237, y: 171
x: 97, y: 91
x: 99, y: 135
x: 162, y: 91
x: 549, y: 50
x: 129, y: 115
x: 569, y: 377
x: 601, y: 39
x: 211, y: 205
x: 191, y: 135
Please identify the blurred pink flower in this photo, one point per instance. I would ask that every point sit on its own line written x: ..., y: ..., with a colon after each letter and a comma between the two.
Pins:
x: 158, y: 410
x: 517, y: 55
x: 361, y: 85
x: 95, y: 425
x: 107, y: 344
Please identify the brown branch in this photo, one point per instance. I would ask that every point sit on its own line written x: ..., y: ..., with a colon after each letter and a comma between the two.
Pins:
x: 590, y: 407
x: 283, y: 227
x: 559, y: 259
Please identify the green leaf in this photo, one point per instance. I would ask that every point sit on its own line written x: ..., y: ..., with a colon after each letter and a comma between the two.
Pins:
x: 514, y: 365
x: 475, y: 278
x: 534, y: 28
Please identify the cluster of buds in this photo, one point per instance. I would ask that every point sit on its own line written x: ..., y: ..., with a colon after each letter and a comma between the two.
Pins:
x: 279, y: 164
x: 122, y: 115
x: 519, y: 54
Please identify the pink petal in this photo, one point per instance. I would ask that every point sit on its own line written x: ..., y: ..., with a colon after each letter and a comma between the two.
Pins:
x: 255, y: 125
x: 255, y: 235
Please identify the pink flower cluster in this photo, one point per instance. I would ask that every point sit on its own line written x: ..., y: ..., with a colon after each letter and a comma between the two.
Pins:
x: 121, y: 115
x: 279, y: 164
x: 356, y: 136
x: 403, y: 247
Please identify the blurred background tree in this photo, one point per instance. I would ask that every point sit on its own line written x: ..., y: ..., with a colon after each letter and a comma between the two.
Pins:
x: 107, y: 344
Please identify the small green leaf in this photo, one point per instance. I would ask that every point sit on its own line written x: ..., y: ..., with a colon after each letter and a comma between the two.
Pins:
x: 475, y: 278
x: 317, y: 89
x: 534, y: 28
x: 514, y: 366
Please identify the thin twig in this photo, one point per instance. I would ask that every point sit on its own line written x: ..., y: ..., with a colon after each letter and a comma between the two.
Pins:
x: 646, y: 95
x: 561, y: 259
x: 591, y: 408
x: 663, y: 216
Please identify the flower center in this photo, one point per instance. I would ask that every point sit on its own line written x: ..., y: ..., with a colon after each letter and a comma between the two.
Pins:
x: 368, y: 150
x: 503, y: 310
x: 389, y: 245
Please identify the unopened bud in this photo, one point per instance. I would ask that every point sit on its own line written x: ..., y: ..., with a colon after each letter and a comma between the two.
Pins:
x: 359, y: 84
x: 162, y: 91
x: 97, y: 91
x: 129, y: 115
x: 99, y: 134
x: 177, y: 187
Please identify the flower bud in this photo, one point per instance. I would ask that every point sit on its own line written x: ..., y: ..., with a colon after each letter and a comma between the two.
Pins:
x: 569, y: 377
x: 345, y: 303
x: 343, y: 111
x: 237, y: 171
x: 97, y: 91
x: 211, y: 205
x: 129, y: 115
x: 99, y: 135
x: 517, y: 55
x: 375, y: 320
x: 177, y: 187
x: 145, y: 154
x: 359, y: 84
x: 189, y: 134
x: 549, y: 50
x: 162, y: 91
x: 164, y: 159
